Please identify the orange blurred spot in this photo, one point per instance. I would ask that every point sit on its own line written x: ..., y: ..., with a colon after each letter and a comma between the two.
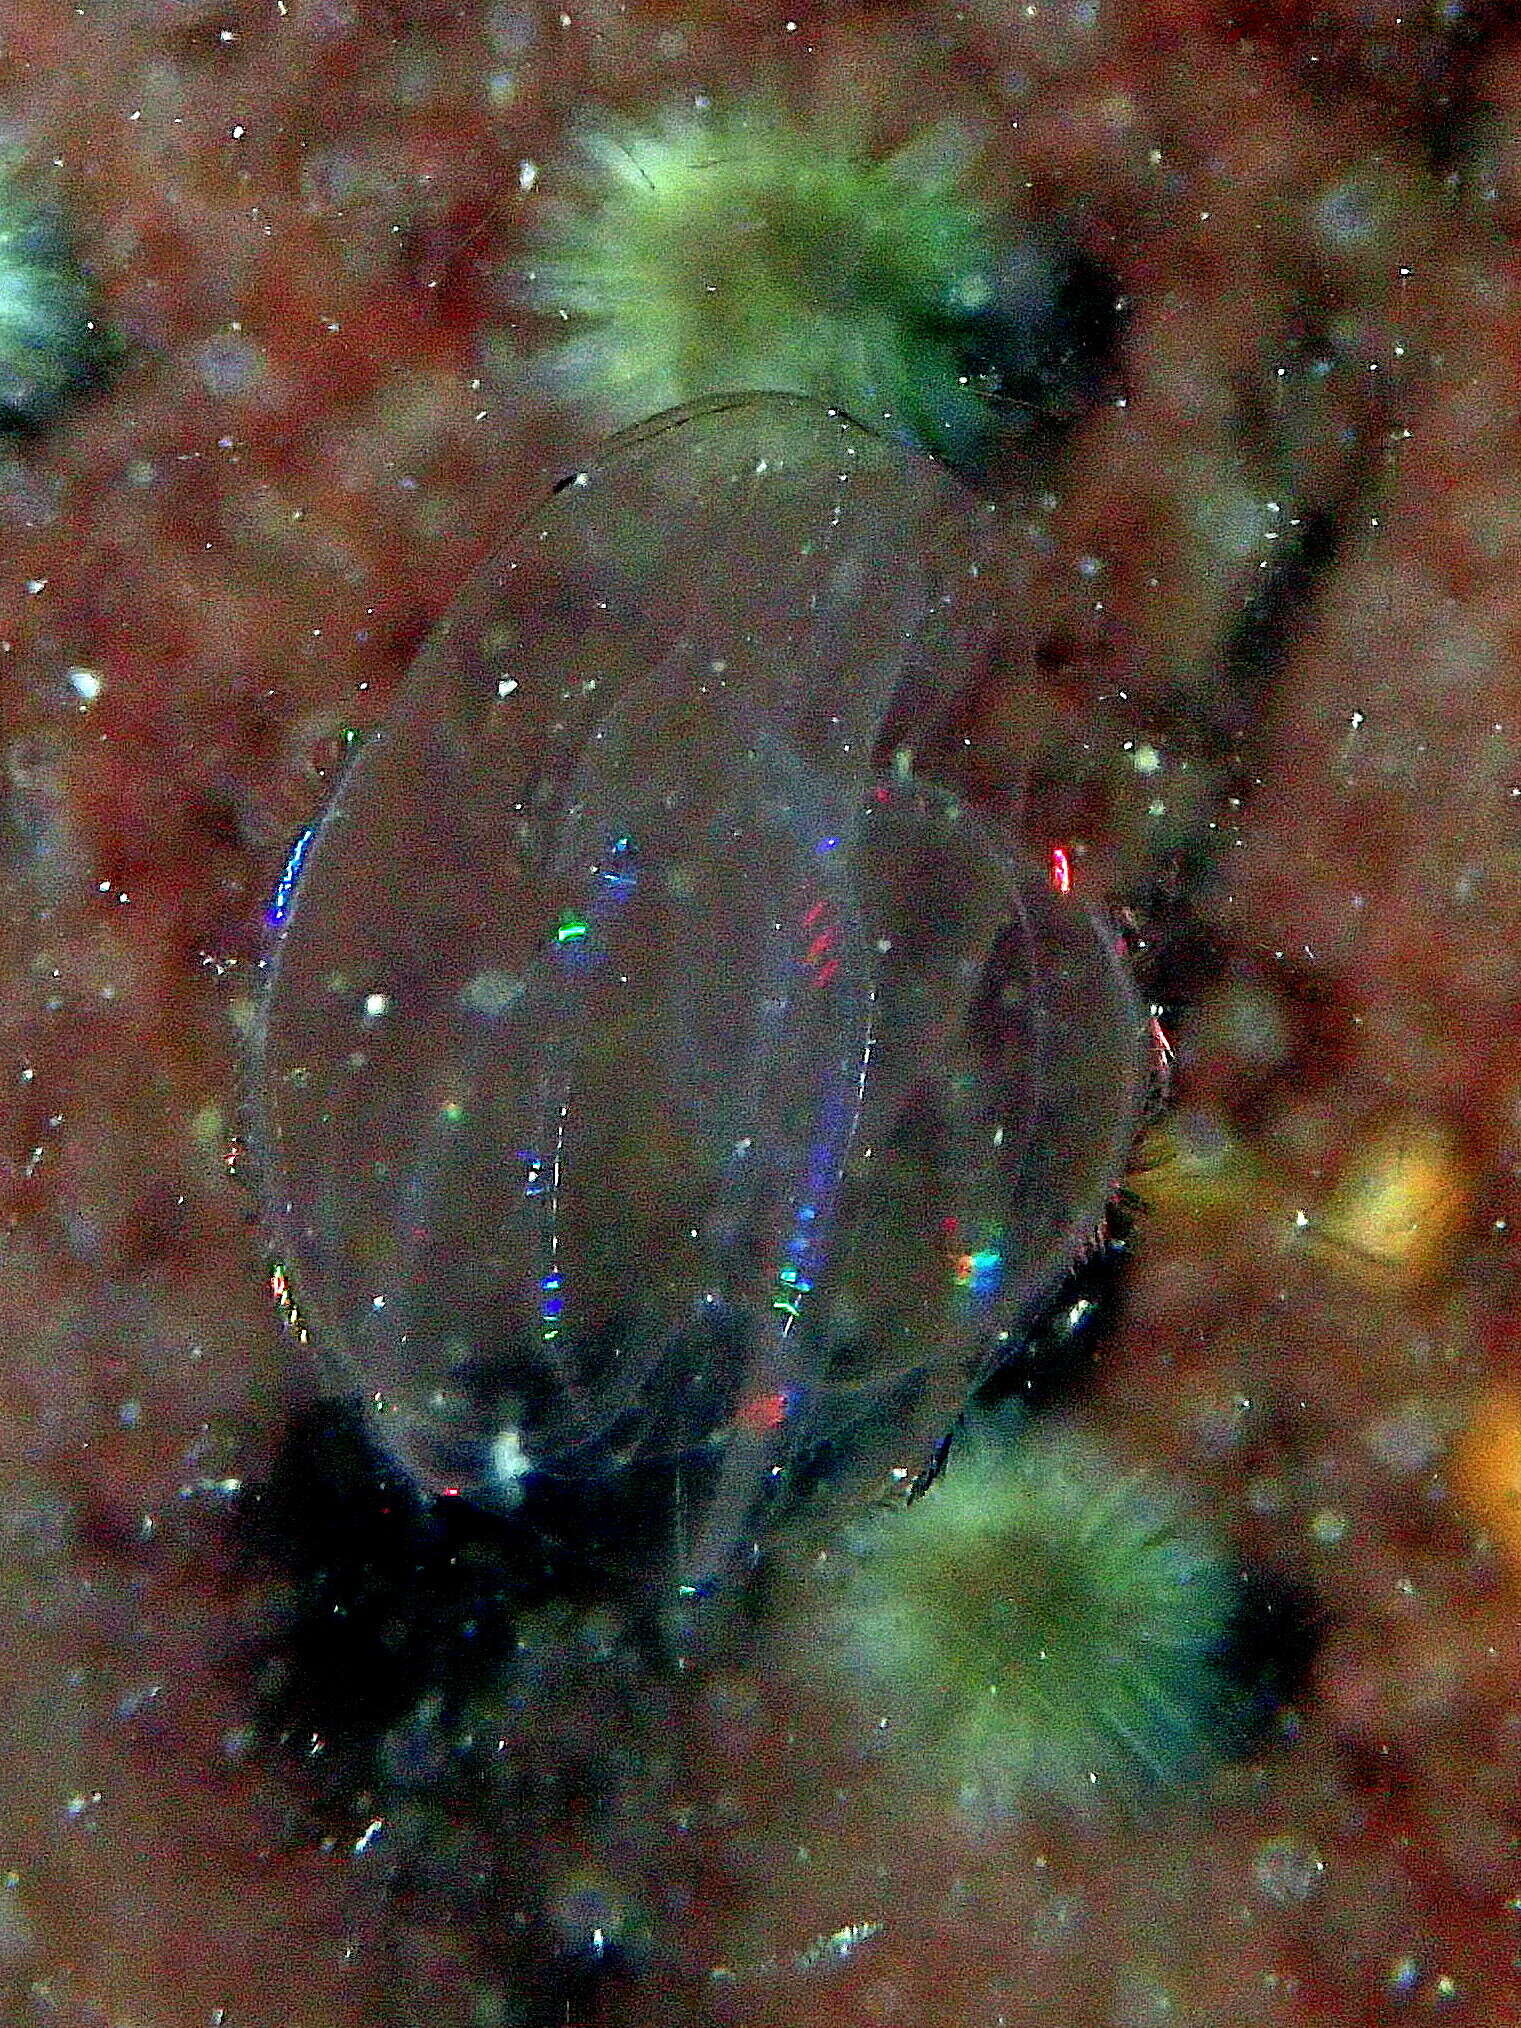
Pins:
x: 1485, y: 1469
x: 1397, y: 1214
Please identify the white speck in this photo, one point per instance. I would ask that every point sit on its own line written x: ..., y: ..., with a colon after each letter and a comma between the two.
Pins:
x: 86, y: 683
x: 376, y: 1004
x: 528, y: 175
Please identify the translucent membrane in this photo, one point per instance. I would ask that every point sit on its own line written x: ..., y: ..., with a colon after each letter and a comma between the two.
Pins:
x: 652, y: 1068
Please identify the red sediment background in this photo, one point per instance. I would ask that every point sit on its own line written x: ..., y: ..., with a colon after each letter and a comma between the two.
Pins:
x: 1271, y: 701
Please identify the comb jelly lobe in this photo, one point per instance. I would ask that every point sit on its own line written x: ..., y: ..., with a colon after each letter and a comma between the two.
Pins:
x: 655, y: 1076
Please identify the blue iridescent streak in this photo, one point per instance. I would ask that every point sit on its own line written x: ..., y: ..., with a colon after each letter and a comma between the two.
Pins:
x: 285, y: 886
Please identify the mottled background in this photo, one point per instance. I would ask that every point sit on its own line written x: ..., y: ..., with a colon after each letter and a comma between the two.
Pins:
x: 1271, y: 705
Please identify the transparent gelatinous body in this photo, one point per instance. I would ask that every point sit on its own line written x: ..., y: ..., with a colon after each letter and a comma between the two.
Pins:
x: 652, y: 1067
